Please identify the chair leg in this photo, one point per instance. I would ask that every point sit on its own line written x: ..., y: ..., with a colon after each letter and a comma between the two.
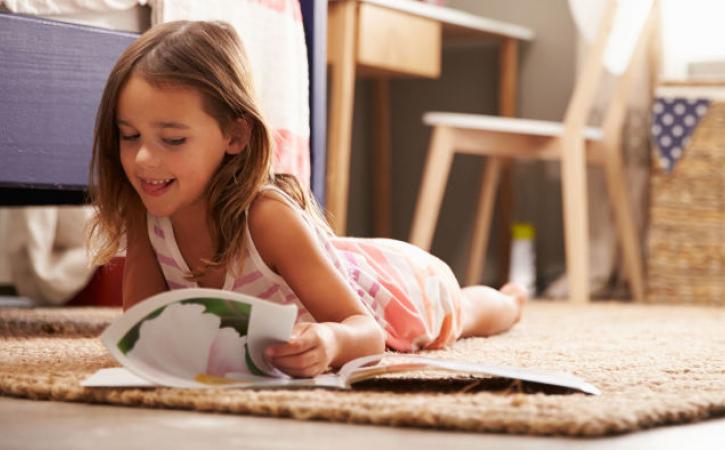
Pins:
x: 576, y: 226
x: 432, y: 188
x: 624, y: 222
x: 482, y: 224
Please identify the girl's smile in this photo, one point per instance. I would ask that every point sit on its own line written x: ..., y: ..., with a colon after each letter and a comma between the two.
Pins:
x: 156, y: 188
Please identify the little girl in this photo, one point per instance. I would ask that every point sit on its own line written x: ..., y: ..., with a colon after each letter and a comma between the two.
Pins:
x: 182, y: 170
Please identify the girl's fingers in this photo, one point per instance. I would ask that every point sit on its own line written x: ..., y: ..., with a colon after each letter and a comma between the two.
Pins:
x: 297, y: 361
x: 291, y: 348
x: 304, y: 355
x: 311, y: 370
x: 296, y: 345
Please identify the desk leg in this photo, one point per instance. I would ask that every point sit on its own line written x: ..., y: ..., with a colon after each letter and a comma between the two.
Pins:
x: 381, y: 161
x: 342, y: 32
x: 498, y: 173
x: 508, y: 77
x: 508, y: 96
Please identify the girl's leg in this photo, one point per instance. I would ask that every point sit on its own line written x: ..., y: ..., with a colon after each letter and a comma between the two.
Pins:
x: 487, y: 311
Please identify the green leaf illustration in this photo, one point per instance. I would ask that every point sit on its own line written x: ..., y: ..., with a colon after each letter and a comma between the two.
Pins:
x: 250, y: 364
x: 129, y: 339
x: 233, y: 314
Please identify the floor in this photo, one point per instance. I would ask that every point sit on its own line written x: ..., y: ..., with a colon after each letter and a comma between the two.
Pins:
x: 30, y: 424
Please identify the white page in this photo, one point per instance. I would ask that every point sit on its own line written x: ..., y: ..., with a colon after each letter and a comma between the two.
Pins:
x: 120, y: 377
x: 180, y: 339
x: 366, y: 367
x: 115, y: 377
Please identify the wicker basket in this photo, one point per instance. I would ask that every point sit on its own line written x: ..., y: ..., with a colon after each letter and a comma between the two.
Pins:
x: 686, y: 241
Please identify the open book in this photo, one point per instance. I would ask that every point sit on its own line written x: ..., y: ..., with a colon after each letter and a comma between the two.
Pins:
x: 201, y: 338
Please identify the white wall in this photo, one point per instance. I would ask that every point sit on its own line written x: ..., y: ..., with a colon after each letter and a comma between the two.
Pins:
x: 692, y: 31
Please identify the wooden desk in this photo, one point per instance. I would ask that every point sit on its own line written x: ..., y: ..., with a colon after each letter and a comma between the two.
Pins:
x: 389, y: 38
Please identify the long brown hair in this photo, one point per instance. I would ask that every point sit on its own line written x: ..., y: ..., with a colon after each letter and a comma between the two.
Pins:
x: 209, y: 57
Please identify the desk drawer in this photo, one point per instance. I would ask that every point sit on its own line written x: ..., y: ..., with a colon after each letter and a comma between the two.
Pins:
x: 397, y: 42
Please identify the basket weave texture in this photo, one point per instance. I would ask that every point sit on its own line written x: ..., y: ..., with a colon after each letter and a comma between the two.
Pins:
x: 686, y: 242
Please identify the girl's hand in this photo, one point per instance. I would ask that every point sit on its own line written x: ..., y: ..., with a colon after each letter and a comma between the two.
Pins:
x: 309, y: 352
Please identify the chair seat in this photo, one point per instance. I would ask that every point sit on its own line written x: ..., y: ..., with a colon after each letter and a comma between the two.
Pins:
x: 504, y: 124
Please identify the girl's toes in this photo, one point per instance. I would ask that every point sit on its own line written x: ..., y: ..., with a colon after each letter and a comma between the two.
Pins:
x: 517, y: 291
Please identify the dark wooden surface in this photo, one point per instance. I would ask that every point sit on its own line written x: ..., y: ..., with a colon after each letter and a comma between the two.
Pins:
x: 51, y: 78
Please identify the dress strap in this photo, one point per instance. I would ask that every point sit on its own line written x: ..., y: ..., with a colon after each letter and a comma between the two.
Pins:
x: 285, y: 196
x: 277, y: 189
x: 306, y: 218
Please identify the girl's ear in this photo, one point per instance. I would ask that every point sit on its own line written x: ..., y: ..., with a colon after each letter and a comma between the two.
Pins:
x: 238, y: 135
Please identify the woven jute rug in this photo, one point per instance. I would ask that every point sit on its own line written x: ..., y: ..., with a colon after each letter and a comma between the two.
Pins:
x: 655, y: 365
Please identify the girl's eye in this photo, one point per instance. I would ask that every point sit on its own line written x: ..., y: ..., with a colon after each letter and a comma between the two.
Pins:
x: 129, y: 137
x: 178, y: 141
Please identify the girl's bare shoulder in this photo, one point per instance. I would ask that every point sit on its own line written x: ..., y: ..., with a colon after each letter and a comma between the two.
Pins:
x: 276, y: 227
x: 268, y: 208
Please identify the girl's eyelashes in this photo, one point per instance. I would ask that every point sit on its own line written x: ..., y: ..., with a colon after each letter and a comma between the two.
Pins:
x: 167, y: 141
x: 178, y: 141
x: 130, y: 137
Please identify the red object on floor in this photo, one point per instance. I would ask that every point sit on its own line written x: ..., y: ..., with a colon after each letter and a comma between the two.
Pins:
x: 104, y: 287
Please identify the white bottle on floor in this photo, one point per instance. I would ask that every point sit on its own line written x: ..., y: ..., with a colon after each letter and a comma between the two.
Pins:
x: 522, y: 269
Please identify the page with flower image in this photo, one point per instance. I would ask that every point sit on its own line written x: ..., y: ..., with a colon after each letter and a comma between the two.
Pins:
x: 195, y: 338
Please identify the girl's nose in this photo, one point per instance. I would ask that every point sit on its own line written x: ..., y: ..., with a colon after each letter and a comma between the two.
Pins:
x: 146, y: 157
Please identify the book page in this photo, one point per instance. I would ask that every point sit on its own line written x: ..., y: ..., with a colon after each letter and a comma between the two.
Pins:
x: 120, y: 377
x: 369, y: 366
x: 115, y: 377
x: 195, y: 337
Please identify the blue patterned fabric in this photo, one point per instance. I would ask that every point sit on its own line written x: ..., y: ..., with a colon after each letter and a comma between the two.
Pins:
x: 673, y: 121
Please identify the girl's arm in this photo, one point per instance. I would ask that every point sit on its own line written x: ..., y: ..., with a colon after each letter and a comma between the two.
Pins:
x: 142, y: 275
x: 344, y: 330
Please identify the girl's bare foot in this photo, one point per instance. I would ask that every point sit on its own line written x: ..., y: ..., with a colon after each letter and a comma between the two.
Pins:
x: 487, y: 311
x: 519, y: 293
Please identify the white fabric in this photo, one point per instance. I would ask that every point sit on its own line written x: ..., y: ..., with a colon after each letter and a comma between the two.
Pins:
x: 49, y: 7
x: 273, y: 36
x: 46, y: 252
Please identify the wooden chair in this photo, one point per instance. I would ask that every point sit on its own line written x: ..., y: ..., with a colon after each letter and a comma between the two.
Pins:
x: 620, y: 35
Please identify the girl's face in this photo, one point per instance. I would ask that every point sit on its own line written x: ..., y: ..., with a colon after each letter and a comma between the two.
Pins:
x: 170, y: 147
